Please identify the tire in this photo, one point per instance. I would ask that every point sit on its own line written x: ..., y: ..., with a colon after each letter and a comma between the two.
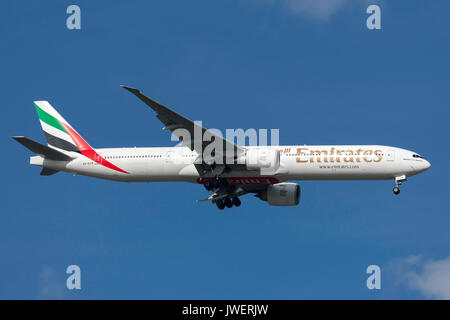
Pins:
x: 236, y: 201
x: 220, y: 204
x: 228, y: 202
x: 396, y: 190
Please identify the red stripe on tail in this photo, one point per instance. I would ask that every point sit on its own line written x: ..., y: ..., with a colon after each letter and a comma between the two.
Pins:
x: 87, y: 151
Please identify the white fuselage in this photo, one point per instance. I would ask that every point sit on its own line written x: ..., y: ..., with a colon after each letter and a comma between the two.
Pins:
x: 342, y: 162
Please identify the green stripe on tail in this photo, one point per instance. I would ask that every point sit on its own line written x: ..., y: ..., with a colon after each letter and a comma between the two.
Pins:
x: 48, y: 119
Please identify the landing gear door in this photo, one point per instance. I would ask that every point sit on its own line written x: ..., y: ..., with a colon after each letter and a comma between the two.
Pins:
x: 390, y: 155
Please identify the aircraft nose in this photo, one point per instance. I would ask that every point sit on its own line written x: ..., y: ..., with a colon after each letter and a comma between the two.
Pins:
x: 426, y: 164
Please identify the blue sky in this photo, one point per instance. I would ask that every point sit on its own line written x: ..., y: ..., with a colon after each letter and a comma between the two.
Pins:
x: 313, y: 71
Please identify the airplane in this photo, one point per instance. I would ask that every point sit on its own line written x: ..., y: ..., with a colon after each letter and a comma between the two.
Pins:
x: 265, y: 171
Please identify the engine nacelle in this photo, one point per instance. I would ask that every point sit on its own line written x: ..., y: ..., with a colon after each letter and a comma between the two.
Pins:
x: 265, y: 159
x: 282, y: 194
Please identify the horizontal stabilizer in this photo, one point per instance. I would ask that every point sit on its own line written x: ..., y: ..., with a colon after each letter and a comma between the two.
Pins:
x: 42, y: 150
x: 48, y: 172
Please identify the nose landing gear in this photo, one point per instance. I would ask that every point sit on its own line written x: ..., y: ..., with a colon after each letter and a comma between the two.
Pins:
x: 398, y: 181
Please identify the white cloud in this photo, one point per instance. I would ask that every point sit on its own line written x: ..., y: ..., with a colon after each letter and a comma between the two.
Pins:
x: 430, y: 277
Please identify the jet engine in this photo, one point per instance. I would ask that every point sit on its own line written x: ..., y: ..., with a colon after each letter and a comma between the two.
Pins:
x: 281, y: 194
x: 265, y: 159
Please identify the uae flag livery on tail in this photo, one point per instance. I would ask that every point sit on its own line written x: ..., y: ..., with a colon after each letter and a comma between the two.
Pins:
x: 60, y: 134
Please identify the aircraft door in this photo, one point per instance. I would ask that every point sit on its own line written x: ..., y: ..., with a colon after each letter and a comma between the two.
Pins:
x: 168, y: 163
x: 390, y: 155
x: 169, y: 157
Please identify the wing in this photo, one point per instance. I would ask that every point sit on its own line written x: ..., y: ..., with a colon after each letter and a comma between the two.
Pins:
x: 173, y: 121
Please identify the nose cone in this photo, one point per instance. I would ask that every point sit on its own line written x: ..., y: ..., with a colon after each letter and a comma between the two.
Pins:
x: 422, y: 166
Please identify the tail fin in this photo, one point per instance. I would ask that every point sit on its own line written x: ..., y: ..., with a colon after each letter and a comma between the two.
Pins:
x: 58, y: 131
x: 61, y: 135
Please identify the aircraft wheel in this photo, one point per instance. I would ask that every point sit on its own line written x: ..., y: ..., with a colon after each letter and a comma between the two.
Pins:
x: 228, y: 202
x: 220, y: 204
x: 236, y: 201
x: 396, y: 190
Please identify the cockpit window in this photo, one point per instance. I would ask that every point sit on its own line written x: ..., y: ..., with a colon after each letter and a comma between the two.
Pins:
x: 416, y: 156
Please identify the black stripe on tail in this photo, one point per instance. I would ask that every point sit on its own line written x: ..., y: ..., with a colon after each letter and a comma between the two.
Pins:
x: 60, y: 143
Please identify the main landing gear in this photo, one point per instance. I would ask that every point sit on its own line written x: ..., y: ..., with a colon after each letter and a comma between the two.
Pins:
x: 221, y: 187
x: 215, y: 183
x: 398, y: 181
x: 228, y: 202
x: 220, y: 204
